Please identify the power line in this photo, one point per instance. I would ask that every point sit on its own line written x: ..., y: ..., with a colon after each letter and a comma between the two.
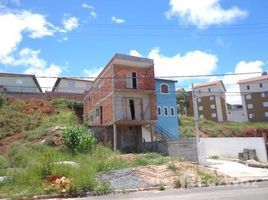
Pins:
x: 145, y: 76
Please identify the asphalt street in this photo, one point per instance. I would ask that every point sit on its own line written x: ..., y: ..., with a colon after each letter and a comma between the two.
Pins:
x: 249, y: 191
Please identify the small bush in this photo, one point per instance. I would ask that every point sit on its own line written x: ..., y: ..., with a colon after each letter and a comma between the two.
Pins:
x: 177, y: 182
x: 78, y: 139
x: 161, y: 186
x: 2, y: 99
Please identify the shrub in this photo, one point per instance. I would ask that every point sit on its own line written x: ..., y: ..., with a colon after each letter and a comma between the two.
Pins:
x: 2, y: 99
x: 78, y: 138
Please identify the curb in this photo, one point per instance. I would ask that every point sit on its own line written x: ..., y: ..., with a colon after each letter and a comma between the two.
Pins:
x: 88, y: 194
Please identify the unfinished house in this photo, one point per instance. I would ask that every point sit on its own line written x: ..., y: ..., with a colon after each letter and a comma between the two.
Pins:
x: 121, y: 101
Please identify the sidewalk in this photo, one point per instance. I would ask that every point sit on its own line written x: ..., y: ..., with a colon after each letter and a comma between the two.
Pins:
x: 238, y: 170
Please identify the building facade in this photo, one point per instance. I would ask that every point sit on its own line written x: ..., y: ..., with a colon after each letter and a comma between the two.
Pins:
x: 211, y: 101
x: 19, y: 83
x: 72, y: 85
x: 236, y: 113
x: 121, y: 101
x: 254, y: 94
x: 166, y: 106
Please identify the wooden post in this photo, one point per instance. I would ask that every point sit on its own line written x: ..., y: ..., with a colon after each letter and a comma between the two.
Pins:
x: 115, y: 138
x: 151, y: 130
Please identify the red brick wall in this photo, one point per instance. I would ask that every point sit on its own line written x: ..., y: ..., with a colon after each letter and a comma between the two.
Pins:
x: 71, y: 96
x: 145, y: 80
x: 102, y: 88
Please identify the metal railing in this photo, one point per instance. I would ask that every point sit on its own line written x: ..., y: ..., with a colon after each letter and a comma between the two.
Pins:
x: 165, y: 134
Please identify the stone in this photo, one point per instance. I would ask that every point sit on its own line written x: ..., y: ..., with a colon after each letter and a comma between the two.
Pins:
x: 70, y: 163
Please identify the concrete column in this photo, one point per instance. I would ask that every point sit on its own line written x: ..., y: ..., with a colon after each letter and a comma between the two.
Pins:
x: 115, y: 137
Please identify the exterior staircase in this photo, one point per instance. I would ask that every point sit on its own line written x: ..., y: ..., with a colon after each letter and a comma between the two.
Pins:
x: 165, y: 135
x: 161, y: 134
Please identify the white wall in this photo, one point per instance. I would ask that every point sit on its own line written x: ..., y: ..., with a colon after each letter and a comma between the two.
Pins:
x: 237, y: 116
x: 230, y: 147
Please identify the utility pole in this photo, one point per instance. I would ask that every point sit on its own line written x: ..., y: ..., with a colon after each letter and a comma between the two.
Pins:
x: 195, y: 114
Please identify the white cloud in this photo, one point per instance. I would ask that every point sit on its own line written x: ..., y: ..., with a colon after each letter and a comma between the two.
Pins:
x: 135, y: 53
x: 117, y: 20
x: 204, y: 13
x: 84, y: 5
x: 92, y: 72
x: 230, y: 82
x: 30, y: 59
x: 192, y: 63
x: 70, y: 23
x: 14, y: 24
x: 93, y: 14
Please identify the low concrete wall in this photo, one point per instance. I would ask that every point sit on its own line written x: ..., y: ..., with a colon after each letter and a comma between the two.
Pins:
x: 184, y: 148
x: 230, y: 147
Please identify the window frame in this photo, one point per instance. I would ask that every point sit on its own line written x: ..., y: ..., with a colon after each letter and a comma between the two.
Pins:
x: 172, y: 108
x: 159, y: 109
x: 164, y: 84
x: 165, y: 108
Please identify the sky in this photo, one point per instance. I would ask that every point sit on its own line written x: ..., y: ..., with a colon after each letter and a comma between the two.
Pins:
x: 79, y: 37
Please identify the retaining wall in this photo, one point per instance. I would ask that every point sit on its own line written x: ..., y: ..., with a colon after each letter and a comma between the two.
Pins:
x: 230, y: 147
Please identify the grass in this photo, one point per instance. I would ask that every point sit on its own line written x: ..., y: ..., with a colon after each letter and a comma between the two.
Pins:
x: 207, y: 178
x: 213, y: 129
x: 28, y: 164
x: 150, y: 159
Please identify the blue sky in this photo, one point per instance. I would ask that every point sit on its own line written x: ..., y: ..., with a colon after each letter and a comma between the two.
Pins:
x: 78, y: 37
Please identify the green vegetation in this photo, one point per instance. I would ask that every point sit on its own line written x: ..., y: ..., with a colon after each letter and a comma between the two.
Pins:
x: 208, y: 178
x: 78, y: 139
x: 34, y: 168
x: 213, y: 129
x: 150, y: 159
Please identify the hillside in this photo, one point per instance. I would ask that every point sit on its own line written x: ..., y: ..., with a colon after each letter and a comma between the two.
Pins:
x: 227, y: 129
x: 28, y: 120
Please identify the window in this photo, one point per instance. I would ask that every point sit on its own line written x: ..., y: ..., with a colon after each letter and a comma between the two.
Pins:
x: 251, y: 115
x: 199, y: 100
x: 248, y: 87
x: 200, y: 108
x: 264, y: 94
x: 211, y: 98
x: 159, y: 111
x: 209, y: 90
x: 97, y: 112
x: 131, y: 80
x: 164, y: 88
x: 265, y: 104
x: 172, y: 111
x: 266, y: 114
x: 201, y: 116
x: 250, y: 106
x: 165, y: 111
x: 213, y: 106
x: 88, y: 86
x: 213, y: 115
x: 19, y: 82
x: 134, y: 80
x: 248, y: 96
x: 132, y: 109
x: 260, y: 85
x: 71, y: 84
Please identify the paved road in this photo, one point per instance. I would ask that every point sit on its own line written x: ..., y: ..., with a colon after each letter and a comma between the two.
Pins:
x: 255, y: 191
